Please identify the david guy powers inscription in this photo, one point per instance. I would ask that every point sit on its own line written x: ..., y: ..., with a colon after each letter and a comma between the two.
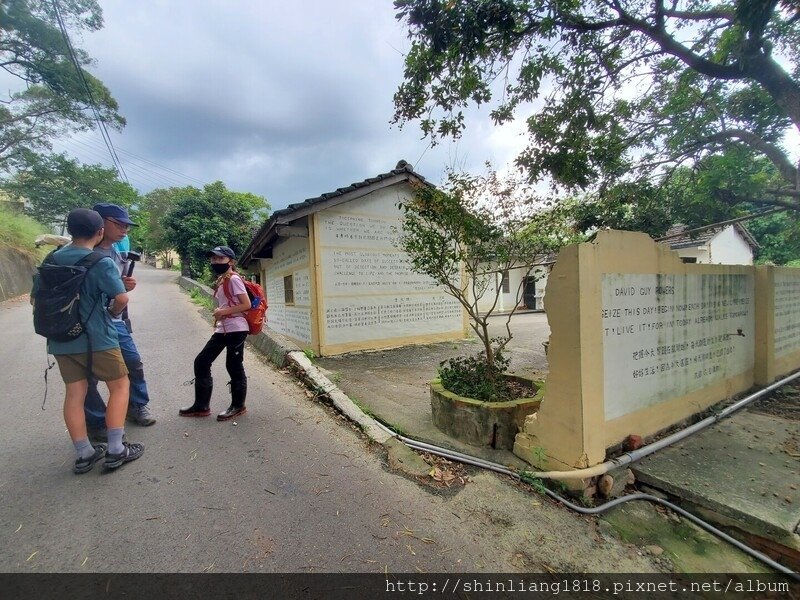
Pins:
x: 665, y: 336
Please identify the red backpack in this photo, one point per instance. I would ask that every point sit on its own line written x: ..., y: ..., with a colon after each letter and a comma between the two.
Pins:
x: 257, y: 313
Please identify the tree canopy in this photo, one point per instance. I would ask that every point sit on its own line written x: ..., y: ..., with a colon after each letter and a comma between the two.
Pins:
x: 55, y: 98
x: 198, y: 220
x: 622, y: 90
x: 54, y: 184
x: 466, y: 237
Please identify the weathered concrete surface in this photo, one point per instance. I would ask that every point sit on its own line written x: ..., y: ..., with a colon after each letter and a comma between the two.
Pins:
x: 16, y: 271
x: 743, y: 472
x: 489, y: 424
x: 395, y: 384
x: 404, y: 459
x: 318, y: 382
x: 287, y: 488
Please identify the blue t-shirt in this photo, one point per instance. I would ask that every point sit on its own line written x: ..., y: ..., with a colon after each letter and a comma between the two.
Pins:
x: 123, y: 245
x: 101, y: 284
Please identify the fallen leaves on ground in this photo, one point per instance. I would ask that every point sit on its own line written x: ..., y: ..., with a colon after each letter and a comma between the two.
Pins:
x: 445, y: 473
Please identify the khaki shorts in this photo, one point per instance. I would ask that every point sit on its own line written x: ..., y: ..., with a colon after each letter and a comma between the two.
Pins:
x: 107, y: 365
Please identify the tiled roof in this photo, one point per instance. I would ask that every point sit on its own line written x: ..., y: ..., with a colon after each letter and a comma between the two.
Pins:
x: 284, y: 214
x: 676, y: 238
x: 402, y: 167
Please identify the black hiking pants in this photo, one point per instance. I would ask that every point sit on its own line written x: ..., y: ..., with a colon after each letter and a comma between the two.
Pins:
x: 234, y: 357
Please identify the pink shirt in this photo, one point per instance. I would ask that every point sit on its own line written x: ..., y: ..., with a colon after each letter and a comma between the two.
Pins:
x: 235, y: 322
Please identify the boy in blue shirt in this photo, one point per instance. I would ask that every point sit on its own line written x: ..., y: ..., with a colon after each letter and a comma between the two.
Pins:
x: 102, y: 283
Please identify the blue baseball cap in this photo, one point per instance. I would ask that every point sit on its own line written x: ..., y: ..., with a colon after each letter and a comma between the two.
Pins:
x: 114, y: 211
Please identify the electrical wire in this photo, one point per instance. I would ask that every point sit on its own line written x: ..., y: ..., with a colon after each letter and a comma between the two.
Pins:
x: 101, y: 124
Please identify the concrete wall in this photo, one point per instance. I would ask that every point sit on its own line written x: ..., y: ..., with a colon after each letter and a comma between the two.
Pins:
x: 506, y: 301
x: 354, y: 289
x: 640, y: 341
x: 778, y: 331
x: 366, y: 295
x: 290, y: 258
x: 541, y: 274
x: 16, y: 272
x: 728, y: 247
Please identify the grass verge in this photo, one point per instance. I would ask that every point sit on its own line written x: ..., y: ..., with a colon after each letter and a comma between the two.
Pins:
x: 199, y: 298
x: 19, y: 232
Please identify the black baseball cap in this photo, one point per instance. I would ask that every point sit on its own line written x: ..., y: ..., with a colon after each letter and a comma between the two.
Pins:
x: 222, y: 251
x: 84, y: 223
x: 114, y: 211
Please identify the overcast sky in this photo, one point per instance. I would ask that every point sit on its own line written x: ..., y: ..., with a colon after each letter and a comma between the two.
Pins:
x: 284, y: 99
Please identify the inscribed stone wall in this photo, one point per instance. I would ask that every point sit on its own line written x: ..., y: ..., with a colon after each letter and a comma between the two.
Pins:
x: 370, y: 296
x: 639, y: 342
x: 778, y: 325
x: 787, y: 312
x: 665, y: 336
x: 290, y: 258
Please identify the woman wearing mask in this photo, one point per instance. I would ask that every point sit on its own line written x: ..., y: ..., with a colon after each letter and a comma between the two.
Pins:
x: 230, y: 331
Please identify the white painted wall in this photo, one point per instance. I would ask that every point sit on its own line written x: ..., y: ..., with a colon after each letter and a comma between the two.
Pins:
x: 370, y: 295
x: 728, y: 247
x: 290, y: 256
x: 507, y: 301
x: 698, y: 252
x: 541, y: 274
x: 491, y: 282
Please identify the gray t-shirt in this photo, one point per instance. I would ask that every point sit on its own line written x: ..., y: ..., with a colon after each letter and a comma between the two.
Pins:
x: 114, y: 255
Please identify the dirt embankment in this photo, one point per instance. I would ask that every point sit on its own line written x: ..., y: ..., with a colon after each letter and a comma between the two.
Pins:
x: 16, y: 270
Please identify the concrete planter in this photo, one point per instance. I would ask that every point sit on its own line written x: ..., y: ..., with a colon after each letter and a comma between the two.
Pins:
x: 489, y: 424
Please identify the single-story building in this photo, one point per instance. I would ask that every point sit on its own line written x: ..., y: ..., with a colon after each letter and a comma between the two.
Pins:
x: 517, y: 283
x: 335, y: 280
x: 715, y: 245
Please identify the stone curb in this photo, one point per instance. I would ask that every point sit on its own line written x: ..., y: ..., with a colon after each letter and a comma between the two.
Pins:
x: 283, y: 352
x: 340, y: 400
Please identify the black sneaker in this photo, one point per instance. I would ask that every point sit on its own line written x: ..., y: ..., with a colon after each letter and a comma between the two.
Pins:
x: 132, y: 451
x: 84, y: 465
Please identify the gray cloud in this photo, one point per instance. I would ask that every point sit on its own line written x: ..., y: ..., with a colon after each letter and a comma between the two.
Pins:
x: 287, y: 100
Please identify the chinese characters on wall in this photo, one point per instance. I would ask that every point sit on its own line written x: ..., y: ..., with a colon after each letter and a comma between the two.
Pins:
x: 667, y: 335
x: 787, y: 314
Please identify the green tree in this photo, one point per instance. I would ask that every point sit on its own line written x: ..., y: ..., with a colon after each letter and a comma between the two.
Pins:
x: 54, y: 100
x: 54, y: 184
x: 466, y: 236
x: 150, y: 213
x: 632, y: 206
x: 778, y: 236
x: 622, y: 89
x: 201, y: 219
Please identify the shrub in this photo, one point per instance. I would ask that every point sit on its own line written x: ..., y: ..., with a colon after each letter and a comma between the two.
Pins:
x: 472, y: 377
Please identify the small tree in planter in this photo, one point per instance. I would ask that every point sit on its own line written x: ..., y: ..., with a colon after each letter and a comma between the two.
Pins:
x: 466, y: 237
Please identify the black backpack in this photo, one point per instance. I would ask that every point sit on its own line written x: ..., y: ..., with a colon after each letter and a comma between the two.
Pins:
x: 56, y: 307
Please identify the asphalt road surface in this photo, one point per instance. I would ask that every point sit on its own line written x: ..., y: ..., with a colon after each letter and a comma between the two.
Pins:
x: 289, y: 487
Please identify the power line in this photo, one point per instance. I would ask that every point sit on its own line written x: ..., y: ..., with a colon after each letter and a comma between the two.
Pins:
x: 181, y: 177
x: 101, y: 124
x: 763, y: 213
x: 158, y: 178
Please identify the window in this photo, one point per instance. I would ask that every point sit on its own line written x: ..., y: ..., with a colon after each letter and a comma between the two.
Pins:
x: 689, y: 259
x: 288, y: 289
x: 506, y: 285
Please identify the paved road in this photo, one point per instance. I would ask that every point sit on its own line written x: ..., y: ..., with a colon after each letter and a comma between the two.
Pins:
x: 290, y: 488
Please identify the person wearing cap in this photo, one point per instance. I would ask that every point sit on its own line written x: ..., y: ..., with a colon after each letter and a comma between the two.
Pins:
x: 230, y: 332
x: 117, y: 223
x: 102, y: 282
